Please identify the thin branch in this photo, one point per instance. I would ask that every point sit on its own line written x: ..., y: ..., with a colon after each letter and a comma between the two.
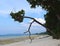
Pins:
x: 29, y: 30
x: 35, y: 21
x: 25, y: 32
x: 48, y: 29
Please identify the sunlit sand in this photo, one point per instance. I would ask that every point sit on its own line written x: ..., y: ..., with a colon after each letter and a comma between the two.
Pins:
x: 37, y: 41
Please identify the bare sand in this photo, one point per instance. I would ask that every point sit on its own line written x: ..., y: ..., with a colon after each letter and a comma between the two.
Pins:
x: 10, y: 40
x: 38, y: 41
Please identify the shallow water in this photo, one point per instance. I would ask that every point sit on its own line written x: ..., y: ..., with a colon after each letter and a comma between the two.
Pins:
x: 3, y: 37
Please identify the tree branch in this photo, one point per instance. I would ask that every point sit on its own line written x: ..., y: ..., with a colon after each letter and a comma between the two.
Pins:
x: 41, y: 24
x: 29, y: 30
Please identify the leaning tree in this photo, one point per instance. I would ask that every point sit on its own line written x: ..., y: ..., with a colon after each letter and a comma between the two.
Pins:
x: 52, y: 17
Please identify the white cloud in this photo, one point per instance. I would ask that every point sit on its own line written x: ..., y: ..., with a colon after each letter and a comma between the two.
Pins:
x: 40, y: 20
x: 4, y: 12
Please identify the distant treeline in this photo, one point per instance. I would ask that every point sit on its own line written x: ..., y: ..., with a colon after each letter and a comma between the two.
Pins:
x: 43, y: 33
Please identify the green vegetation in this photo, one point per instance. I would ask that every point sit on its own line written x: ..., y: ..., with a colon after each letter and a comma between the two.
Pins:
x: 19, y: 16
x: 52, y: 17
x: 43, y: 33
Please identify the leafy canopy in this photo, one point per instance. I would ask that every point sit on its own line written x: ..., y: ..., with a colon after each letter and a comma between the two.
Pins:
x: 19, y: 16
x: 52, y: 17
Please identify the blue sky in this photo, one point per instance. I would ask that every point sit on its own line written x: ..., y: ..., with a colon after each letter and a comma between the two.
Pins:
x: 9, y: 26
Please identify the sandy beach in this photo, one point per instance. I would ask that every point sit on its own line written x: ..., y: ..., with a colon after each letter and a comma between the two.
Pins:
x: 37, y: 41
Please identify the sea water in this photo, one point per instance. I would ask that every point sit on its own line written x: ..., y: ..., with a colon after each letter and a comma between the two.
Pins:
x: 2, y: 37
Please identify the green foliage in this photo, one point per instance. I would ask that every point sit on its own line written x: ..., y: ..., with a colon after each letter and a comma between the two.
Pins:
x: 19, y: 16
x: 52, y: 17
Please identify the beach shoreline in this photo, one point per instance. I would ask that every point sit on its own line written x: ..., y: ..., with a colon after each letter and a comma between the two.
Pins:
x: 4, y: 41
x: 40, y: 40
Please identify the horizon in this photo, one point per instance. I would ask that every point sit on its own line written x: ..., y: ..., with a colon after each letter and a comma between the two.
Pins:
x: 9, y: 26
x: 19, y: 34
